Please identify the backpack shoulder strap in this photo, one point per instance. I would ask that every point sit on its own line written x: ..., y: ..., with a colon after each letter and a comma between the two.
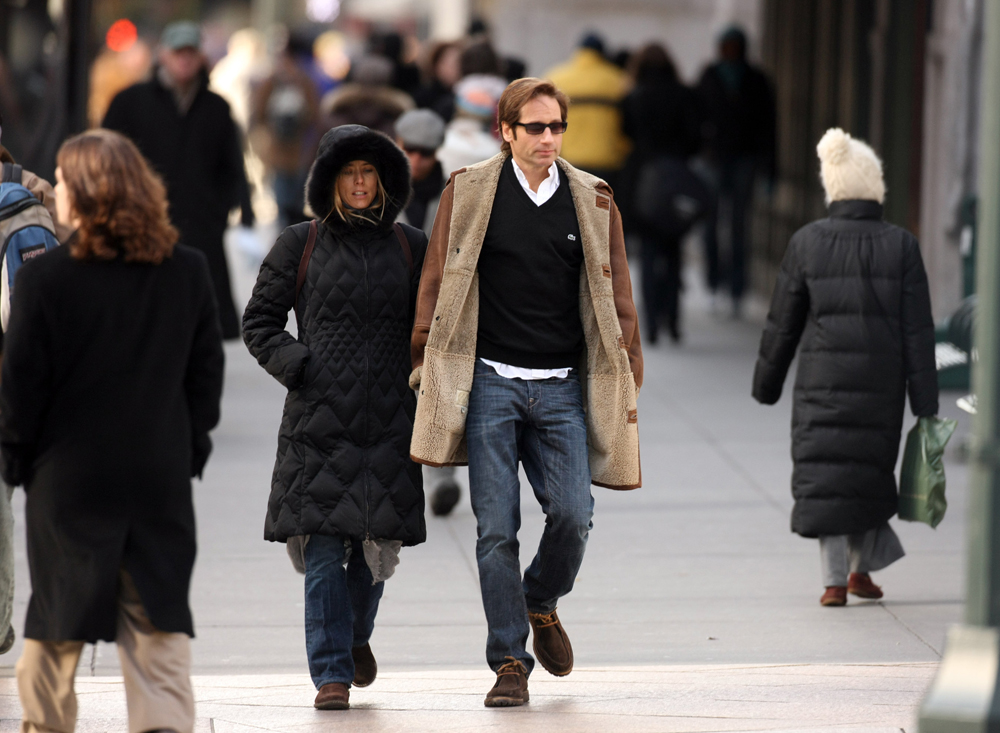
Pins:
x: 304, y: 262
x: 11, y: 173
x: 405, y: 244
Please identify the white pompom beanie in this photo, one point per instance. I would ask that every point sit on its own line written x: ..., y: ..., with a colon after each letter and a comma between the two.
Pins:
x: 849, y: 168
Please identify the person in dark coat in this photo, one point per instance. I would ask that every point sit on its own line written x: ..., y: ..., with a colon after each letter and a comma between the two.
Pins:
x: 343, y: 478
x: 112, y: 377
x: 660, y: 115
x: 188, y: 134
x: 739, y: 136
x: 853, y: 290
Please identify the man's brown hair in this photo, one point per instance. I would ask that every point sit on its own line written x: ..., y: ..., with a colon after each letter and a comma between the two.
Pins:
x: 120, y: 201
x: 517, y: 94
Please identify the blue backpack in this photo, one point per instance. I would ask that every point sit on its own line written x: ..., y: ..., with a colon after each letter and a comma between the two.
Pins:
x: 26, y: 231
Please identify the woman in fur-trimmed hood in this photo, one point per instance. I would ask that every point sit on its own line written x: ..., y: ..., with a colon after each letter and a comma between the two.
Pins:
x: 343, y: 477
x: 852, y: 295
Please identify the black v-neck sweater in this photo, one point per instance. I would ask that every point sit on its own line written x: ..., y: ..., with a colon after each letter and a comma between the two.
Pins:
x: 529, y: 279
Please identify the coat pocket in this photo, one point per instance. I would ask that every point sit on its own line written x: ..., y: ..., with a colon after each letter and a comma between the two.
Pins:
x: 447, y: 378
x: 613, y: 430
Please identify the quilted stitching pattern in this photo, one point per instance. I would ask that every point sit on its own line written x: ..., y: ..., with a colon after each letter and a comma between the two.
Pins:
x: 343, y: 465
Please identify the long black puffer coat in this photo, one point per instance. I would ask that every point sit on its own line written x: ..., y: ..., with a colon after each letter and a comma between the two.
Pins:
x: 853, y: 289
x: 343, y: 466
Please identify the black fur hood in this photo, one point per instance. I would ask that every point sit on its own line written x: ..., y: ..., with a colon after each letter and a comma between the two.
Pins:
x: 340, y: 146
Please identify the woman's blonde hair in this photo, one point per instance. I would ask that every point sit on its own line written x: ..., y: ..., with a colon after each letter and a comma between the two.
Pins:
x: 356, y: 216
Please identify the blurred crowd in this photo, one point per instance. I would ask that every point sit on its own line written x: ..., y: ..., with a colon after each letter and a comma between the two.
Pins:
x: 676, y: 156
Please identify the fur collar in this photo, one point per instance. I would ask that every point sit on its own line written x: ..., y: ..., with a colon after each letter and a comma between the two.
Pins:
x: 340, y: 146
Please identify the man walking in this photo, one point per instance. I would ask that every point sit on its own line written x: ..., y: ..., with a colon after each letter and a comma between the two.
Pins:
x: 526, y: 348
x: 188, y: 134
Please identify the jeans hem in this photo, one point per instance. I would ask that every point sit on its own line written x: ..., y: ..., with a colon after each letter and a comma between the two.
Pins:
x: 332, y: 682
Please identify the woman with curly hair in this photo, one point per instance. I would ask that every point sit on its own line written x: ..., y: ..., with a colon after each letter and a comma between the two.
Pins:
x: 111, y: 381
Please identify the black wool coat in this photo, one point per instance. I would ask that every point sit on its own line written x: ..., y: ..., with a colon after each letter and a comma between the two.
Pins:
x: 343, y: 466
x: 200, y: 157
x: 112, y: 376
x: 853, y: 290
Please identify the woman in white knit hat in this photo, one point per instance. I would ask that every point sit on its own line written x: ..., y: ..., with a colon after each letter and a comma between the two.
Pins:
x: 852, y: 292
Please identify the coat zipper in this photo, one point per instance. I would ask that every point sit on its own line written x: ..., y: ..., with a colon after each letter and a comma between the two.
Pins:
x: 368, y: 370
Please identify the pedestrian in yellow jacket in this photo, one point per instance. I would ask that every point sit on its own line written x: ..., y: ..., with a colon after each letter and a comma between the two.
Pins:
x: 594, y: 139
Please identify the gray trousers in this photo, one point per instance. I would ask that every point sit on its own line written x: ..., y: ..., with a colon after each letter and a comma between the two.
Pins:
x: 6, y: 559
x: 857, y: 553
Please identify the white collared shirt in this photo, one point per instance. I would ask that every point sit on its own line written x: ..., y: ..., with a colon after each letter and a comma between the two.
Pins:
x: 545, y: 191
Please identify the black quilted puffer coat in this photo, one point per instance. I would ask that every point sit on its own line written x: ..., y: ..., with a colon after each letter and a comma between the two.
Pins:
x: 343, y: 466
x: 853, y: 290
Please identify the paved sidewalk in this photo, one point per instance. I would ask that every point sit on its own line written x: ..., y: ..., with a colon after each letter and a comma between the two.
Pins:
x: 696, y: 608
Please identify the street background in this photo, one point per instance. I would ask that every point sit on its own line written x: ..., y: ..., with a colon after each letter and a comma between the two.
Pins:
x: 696, y: 608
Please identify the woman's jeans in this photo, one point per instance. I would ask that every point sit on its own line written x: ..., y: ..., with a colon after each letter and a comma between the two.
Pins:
x: 341, y: 604
x: 542, y: 424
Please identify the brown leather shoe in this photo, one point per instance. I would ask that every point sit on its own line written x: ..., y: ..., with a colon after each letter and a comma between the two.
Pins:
x: 334, y: 696
x: 836, y: 595
x: 365, y: 667
x: 550, y: 643
x: 511, y: 688
x: 861, y: 585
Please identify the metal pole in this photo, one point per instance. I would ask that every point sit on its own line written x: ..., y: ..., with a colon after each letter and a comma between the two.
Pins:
x: 77, y: 61
x: 964, y: 695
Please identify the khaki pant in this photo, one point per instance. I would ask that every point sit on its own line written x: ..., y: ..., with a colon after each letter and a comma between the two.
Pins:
x: 156, y: 666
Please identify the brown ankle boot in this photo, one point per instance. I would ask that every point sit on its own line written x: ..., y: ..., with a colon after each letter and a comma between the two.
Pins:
x: 861, y: 585
x: 365, y: 667
x: 511, y: 688
x: 334, y: 696
x: 836, y: 595
x: 551, y: 644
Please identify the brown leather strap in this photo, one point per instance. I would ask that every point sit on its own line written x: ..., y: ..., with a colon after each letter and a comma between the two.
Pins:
x: 405, y: 244
x: 304, y: 263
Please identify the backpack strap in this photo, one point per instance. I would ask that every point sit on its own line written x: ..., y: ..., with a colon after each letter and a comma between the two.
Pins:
x: 405, y: 244
x: 11, y: 173
x: 304, y: 262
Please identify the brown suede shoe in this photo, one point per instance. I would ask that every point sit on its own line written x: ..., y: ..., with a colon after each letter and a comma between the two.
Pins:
x: 334, y: 696
x: 550, y: 643
x: 511, y: 688
x: 836, y: 595
x: 365, y: 668
x: 861, y: 585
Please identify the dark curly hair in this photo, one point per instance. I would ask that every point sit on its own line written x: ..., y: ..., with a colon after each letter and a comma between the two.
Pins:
x: 120, y: 202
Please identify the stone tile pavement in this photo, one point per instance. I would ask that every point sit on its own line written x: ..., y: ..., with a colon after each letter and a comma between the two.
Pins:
x: 696, y: 609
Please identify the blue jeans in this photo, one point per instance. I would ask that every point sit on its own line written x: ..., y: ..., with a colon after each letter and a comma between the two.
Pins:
x: 341, y: 604
x: 542, y: 424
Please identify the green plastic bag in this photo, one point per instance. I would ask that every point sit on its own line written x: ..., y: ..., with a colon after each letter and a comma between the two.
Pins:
x: 921, y: 480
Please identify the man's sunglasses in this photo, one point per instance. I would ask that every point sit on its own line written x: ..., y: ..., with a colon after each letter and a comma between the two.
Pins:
x: 425, y: 152
x: 538, y: 128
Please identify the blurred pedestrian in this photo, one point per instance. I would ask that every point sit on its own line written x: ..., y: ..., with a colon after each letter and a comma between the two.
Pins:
x: 41, y: 190
x: 594, y: 141
x: 470, y: 137
x: 443, y: 72
x: 187, y: 133
x: 344, y: 490
x: 853, y: 290
x: 420, y: 133
x: 112, y: 378
x: 367, y: 99
x: 661, y: 117
x: 739, y: 130
x: 392, y: 46
x: 507, y: 309
x: 285, y: 119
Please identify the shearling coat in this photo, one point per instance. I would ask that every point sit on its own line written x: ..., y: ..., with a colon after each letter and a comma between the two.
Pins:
x: 343, y: 466
x: 445, y: 329
x: 852, y: 289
